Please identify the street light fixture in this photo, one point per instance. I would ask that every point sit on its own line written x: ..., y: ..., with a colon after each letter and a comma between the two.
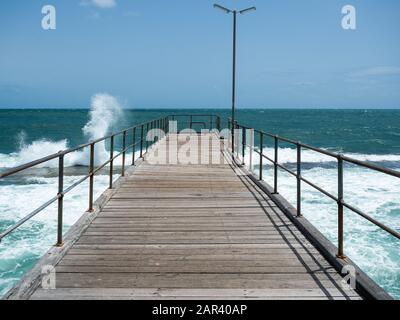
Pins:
x: 235, y: 12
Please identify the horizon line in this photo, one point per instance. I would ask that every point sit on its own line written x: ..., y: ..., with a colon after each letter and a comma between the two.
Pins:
x: 207, y: 108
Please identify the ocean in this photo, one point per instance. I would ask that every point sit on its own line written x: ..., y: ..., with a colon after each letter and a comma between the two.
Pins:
x: 372, y: 135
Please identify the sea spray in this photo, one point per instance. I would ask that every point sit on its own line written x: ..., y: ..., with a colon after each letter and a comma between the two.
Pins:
x: 374, y: 193
x: 20, y: 251
x: 105, y: 111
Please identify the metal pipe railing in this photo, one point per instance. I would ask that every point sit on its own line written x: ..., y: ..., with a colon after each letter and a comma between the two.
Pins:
x: 298, y: 178
x: 339, y: 199
x: 134, y: 144
x: 60, y: 200
x: 158, y: 124
x: 91, y: 179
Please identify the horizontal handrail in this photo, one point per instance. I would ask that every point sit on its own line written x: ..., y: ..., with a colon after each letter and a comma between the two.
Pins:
x: 145, y: 128
x: 63, y: 152
x: 340, y: 158
x: 63, y: 191
x: 361, y: 163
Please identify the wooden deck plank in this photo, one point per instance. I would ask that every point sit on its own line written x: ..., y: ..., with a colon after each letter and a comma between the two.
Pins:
x: 198, y: 294
x: 193, y: 231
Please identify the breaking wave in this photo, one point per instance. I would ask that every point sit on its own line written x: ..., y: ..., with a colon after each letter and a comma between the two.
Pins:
x: 105, y: 111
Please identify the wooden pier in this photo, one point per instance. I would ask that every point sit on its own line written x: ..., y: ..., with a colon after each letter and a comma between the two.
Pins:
x: 187, y: 231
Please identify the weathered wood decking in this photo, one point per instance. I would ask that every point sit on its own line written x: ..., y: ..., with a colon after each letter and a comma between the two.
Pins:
x: 192, y: 232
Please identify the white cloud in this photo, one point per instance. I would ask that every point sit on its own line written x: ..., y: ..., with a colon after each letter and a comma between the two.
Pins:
x: 377, y: 71
x: 100, y: 3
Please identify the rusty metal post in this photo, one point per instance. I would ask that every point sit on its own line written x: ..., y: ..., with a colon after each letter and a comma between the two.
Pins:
x: 237, y: 139
x: 60, y: 200
x: 276, y: 146
x: 243, y: 145
x: 147, y: 137
x: 111, y: 162
x: 141, y: 142
x: 261, y: 155
x: 298, y: 176
x: 91, y: 177
x: 340, y: 253
x: 133, y: 145
x: 123, y: 153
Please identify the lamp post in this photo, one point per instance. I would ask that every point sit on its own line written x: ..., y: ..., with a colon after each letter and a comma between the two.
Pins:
x: 234, y: 12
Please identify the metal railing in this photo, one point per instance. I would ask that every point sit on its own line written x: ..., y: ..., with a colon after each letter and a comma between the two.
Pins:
x: 143, y: 136
x: 339, y: 158
x: 206, y: 121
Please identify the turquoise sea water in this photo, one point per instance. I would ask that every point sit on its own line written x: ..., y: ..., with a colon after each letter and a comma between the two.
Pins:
x: 372, y: 135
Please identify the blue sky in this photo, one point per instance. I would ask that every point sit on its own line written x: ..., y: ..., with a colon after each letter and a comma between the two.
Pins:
x: 177, y: 53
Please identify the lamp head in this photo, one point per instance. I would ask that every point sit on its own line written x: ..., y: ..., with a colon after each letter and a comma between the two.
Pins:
x: 247, y: 10
x: 226, y: 10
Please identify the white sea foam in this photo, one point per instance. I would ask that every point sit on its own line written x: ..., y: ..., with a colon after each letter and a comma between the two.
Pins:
x: 21, y: 249
x: 105, y: 111
x: 289, y: 155
x: 374, y: 250
x: 41, y: 148
x: 375, y: 193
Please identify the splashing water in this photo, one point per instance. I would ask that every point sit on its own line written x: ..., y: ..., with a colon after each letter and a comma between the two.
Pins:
x: 20, y: 250
x: 105, y: 111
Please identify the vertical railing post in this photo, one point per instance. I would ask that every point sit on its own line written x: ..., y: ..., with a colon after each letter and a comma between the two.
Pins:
x: 123, y: 153
x: 237, y: 139
x: 141, y: 141
x: 133, y: 145
x: 230, y: 135
x: 147, y: 137
x: 340, y: 253
x: 276, y: 145
x: 153, y: 128
x: 251, y: 149
x: 261, y: 155
x: 91, y: 177
x: 211, y: 122
x: 158, y: 129
x: 151, y: 133
x: 233, y: 138
x: 218, y: 124
x: 191, y: 122
x: 167, y: 124
x: 298, y: 176
x: 243, y: 144
x: 60, y: 200
x: 111, y: 162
